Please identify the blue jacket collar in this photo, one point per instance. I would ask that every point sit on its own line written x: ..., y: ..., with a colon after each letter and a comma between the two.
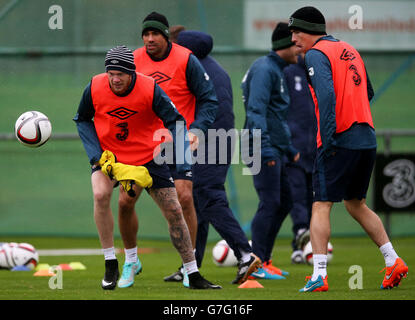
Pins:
x: 301, y: 62
x: 327, y: 37
x: 280, y: 61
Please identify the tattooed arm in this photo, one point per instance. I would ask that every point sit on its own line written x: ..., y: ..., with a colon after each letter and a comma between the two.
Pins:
x: 166, y: 199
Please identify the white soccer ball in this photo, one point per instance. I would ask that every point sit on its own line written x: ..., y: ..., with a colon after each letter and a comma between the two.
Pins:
x: 223, y: 255
x: 33, y: 129
x: 308, y: 253
x: 18, y: 254
x: 5, y: 256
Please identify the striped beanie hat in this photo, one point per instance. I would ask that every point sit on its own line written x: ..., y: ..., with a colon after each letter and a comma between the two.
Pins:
x: 120, y: 58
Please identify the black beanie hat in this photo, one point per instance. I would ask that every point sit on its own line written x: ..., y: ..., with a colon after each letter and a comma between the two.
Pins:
x: 121, y: 59
x: 156, y: 21
x: 309, y: 20
x: 281, y: 37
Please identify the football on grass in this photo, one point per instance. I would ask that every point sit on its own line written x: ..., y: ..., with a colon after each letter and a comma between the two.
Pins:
x: 14, y: 254
x: 223, y: 255
x: 308, y: 253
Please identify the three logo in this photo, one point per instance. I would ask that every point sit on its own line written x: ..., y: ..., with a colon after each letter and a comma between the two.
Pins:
x: 122, y: 114
x: 347, y: 55
x: 400, y: 192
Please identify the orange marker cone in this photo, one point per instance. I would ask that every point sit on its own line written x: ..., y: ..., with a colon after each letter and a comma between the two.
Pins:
x: 248, y: 284
x: 44, y: 273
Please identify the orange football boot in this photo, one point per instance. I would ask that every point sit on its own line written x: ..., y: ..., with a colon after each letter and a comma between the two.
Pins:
x: 273, y: 269
x: 394, y: 274
x: 320, y: 285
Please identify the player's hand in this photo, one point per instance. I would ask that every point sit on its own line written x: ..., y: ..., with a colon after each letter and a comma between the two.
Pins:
x: 271, y: 163
x: 296, y: 157
x: 107, y: 156
x: 194, y: 141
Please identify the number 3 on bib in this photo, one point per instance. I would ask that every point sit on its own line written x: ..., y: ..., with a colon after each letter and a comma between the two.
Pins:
x: 123, y: 134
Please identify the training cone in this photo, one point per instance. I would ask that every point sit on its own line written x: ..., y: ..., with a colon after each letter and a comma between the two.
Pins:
x: 248, y: 284
x: 77, y: 266
x: 43, y: 273
x: 65, y: 266
x: 42, y: 266
x: 21, y: 268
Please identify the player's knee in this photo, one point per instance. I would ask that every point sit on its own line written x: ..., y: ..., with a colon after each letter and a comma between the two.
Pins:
x: 102, y: 197
x: 176, y: 208
x: 354, y: 206
x: 186, y: 199
x: 126, y: 204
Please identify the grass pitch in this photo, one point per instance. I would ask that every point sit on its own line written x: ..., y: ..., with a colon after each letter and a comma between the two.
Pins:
x: 163, y: 260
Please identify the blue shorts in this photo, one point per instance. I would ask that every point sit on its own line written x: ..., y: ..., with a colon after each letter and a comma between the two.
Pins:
x: 159, y: 172
x: 343, y: 175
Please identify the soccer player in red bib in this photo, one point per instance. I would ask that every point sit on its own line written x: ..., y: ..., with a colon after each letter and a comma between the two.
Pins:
x: 346, y: 142
x: 181, y: 76
x: 120, y: 111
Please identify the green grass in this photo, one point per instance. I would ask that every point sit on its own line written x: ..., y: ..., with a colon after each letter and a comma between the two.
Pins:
x: 85, y: 284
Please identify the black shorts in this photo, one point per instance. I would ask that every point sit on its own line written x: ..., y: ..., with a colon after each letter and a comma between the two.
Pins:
x: 160, y: 174
x: 187, y: 175
x: 343, y: 175
x: 170, y: 158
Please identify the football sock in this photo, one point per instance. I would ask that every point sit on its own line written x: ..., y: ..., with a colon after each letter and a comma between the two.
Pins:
x: 320, y: 266
x: 190, y: 267
x: 131, y: 255
x: 109, y: 253
x: 389, y: 254
x: 246, y: 256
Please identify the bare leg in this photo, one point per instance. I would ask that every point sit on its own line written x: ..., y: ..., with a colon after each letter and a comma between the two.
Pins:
x: 320, y: 226
x: 127, y: 217
x: 185, y: 193
x: 102, y: 188
x: 368, y: 219
x: 166, y: 199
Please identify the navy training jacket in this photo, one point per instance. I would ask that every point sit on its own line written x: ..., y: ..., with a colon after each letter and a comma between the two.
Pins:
x: 301, y: 115
x: 266, y: 100
x: 201, y: 45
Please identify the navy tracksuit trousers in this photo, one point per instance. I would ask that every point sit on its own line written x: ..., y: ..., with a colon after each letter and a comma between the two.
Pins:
x: 212, y: 206
x: 302, y: 195
x: 275, y: 202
